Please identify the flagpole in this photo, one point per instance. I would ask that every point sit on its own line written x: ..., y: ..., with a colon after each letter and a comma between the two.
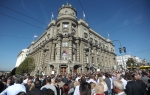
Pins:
x: 108, y: 35
x: 33, y: 38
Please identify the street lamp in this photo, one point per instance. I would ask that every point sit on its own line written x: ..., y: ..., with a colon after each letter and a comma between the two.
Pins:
x: 120, y: 50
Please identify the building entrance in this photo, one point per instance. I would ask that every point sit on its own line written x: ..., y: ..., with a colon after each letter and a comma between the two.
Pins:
x: 76, y: 69
x: 63, y: 70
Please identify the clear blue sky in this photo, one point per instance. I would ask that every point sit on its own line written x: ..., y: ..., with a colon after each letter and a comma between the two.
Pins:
x: 124, y: 20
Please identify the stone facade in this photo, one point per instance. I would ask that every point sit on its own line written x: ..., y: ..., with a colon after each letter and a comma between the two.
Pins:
x: 71, y: 46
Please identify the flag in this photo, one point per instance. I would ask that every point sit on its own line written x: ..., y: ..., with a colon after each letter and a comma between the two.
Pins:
x: 35, y: 36
x: 52, y: 15
x: 65, y: 52
x: 83, y: 15
x: 108, y: 34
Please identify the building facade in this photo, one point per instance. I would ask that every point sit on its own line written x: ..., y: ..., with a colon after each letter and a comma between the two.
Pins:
x: 71, y: 46
x: 121, y: 60
x: 21, y: 56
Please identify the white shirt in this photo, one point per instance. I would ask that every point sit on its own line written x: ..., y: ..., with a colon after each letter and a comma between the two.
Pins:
x: 91, y: 80
x: 14, y: 89
x: 25, y: 81
x: 124, y: 82
x: 76, y: 92
x: 77, y: 78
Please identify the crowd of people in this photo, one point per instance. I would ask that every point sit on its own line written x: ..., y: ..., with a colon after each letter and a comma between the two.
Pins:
x: 136, y: 82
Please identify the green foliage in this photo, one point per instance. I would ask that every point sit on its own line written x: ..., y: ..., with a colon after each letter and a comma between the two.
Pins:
x: 130, y: 61
x: 27, y: 66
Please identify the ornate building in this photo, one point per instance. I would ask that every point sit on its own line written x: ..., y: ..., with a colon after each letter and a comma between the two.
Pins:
x: 71, y: 46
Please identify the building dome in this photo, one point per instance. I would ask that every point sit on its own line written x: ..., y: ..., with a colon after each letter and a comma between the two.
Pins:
x: 67, y: 11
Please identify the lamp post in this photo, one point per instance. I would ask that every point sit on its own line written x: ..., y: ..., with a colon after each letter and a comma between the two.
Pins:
x: 120, y: 50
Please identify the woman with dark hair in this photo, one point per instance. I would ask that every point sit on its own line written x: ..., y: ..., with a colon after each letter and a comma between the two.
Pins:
x: 65, y: 89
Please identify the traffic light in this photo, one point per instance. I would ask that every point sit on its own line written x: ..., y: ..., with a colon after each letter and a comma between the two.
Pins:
x: 120, y: 50
x: 124, y: 48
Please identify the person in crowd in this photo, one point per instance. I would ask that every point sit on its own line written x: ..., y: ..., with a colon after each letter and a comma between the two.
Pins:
x: 85, y: 88
x: 36, y: 90
x: 132, y: 87
x: 145, y: 77
x: 30, y: 85
x: 118, y: 87
x: 92, y: 87
x: 22, y: 93
x: 101, y: 80
x: 99, y: 89
x: 78, y: 77
x: 57, y: 86
x: 48, y: 92
x: 1, y: 86
x: 64, y: 79
x: 92, y: 79
x: 65, y: 89
x: 71, y: 86
x: 76, y: 92
x: 138, y: 80
x: 111, y: 85
x: 148, y: 87
x: 108, y: 82
x: 120, y: 77
x: 49, y: 86
x: 14, y: 89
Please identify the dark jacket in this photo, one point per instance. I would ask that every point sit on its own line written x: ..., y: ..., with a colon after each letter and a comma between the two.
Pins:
x: 108, y: 82
x: 134, y: 88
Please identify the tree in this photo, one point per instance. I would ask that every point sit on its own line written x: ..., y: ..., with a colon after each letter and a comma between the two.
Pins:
x: 13, y: 72
x: 130, y: 61
x: 27, y: 66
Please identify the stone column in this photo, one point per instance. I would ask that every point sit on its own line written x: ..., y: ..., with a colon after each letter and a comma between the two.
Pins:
x: 70, y: 49
x: 78, y: 51
x: 58, y: 49
x: 52, y: 53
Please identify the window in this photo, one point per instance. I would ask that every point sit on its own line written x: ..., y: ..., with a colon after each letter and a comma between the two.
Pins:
x: 65, y: 25
x: 73, y: 26
x: 64, y: 44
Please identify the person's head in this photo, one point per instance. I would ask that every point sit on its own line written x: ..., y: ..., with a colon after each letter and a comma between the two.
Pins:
x: 101, y: 79
x: 118, y: 76
x: 136, y: 76
x: 18, y: 80
x: 99, y: 88
x: 48, y: 92
x: 85, y: 88
x: 9, y: 81
x: 128, y: 76
x: 83, y: 79
x: 66, y: 88
x: 29, y: 82
x: 37, y: 84
x: 48, y: 80
x: 92, y: 85
x: 118, y: 86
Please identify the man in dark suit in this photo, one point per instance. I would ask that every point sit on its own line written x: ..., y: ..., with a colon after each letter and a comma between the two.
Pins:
x: 133, y: 87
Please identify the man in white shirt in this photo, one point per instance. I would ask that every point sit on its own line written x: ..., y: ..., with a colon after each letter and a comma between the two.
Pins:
x: 14, y: 89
